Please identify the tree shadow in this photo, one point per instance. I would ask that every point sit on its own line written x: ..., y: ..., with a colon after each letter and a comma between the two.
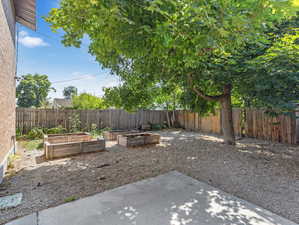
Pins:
x: 49, y: 183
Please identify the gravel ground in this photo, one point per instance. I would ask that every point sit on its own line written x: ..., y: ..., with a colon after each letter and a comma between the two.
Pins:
x: 263, y: 173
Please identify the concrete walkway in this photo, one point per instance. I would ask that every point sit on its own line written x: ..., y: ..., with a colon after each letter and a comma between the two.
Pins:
x: 169, y: 199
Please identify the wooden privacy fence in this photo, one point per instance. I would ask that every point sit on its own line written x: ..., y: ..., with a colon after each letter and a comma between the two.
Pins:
x: 208, y: 124
x: 26, y: 119
x: 250, y: 122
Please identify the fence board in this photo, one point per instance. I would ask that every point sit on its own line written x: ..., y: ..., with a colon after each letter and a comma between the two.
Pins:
x: 26, y: 119
x: 256, y: 123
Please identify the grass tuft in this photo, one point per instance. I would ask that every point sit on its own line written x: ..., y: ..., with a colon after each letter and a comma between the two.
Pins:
x: 33, y: 144
x: 70, y: 199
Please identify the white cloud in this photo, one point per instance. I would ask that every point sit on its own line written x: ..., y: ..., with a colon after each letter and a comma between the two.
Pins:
x: 31, y: 42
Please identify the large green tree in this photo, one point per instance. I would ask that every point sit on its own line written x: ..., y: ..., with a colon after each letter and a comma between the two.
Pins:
x: 194, y: 44
x: 32, y: 90
x: 88, y: 101
x: 70, y: 91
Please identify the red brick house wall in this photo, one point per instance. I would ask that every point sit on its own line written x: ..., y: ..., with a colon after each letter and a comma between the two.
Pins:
x: 7, y: 82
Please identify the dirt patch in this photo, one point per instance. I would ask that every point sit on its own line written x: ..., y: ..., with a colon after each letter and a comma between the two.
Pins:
x: 266, y: 174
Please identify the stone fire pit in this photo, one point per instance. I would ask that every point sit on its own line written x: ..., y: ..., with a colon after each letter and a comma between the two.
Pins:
x: 63, y: 145
x: 138, y: 139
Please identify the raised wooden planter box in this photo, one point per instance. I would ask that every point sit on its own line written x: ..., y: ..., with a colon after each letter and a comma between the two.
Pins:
x: 112, y: 134
x: 134, y: 140
x: 71, y: 137
x: 58, y: 146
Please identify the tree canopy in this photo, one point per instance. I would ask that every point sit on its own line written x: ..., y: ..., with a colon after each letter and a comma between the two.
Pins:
x: 88, y: 101
x: 32, y: 90
x: 204, y: 47
x: 69, y: 92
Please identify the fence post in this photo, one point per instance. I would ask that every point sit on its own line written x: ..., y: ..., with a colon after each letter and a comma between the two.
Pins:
x: 297, y: 125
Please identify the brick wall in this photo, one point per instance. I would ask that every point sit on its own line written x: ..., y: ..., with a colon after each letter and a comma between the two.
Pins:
x: 7, y: 81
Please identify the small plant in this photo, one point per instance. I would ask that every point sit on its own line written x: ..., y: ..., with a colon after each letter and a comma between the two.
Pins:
x: 70, y: 199
x: 75, y: 122
x: 56, y: 130
x: 11, y: 160
x: 156, y: 127
x: 35, y: 133
x: 19, y: 133
x: 33, y: 145
x: 94, y: 131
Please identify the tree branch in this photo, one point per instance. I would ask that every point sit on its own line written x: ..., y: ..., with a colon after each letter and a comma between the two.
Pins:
x: 201, y: 93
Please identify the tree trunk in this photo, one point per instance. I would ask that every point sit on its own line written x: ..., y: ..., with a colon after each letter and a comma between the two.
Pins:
x: 227, y: 120
x: 226, y: 109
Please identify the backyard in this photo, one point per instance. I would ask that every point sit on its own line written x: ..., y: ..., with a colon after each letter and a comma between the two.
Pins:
x: 260, y: 172
x: 149, y: 112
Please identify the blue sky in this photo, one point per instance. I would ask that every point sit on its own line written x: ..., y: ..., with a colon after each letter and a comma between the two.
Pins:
x: 42, y: 52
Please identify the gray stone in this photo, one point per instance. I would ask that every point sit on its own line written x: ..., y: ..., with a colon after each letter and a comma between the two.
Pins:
x: 11, y: 201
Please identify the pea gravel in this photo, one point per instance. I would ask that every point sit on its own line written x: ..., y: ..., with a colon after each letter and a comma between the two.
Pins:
x: 264, y: 173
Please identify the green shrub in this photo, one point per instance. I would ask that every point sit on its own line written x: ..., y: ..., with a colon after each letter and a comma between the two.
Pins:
x: 75, y: 122
x: 11, y: 159
x: 70, y: 199
x: 94, y: 131
x: 156, y: 127
x: 19, y: 134
x: 56, y: 130
x: 35, y: 133
x: 33, y: 145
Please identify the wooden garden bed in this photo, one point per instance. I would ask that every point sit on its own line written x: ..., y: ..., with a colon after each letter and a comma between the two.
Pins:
x: 112, y: 134
x: 70, y: 137
x: 134, y: 140
x: 58, y: 146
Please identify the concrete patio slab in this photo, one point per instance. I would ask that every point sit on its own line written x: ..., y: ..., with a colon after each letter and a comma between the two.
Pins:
x: 26, y: 220
x: 169, y: 199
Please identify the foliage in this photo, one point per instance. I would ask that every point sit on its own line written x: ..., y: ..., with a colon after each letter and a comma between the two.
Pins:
x: 35, y: 133
x: 70, y: 199
x: 46, y: 104
x: 137, y: 94
x: 93, y: 130
x: 11, y: 160
x: 32, y: 91
x: 33, y: 144
x: 156, y: 127
x: 75, y: 122
x: 200, y: 46
x: 56, y: 130
x: 88, y: 101
x: 96, y: 132
x: 175, y: 38
x: 69, y: 92
x: 281, y: 64
x: 19, y: 133
x: 129, y: 97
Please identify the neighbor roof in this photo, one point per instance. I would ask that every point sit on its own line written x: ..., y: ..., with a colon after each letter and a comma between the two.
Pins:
x: 26, y: 12
x: 62, y: 102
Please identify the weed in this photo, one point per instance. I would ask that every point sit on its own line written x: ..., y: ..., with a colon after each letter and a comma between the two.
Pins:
x: 11, y: 160
x: 33, y: 144
x: 35, y: 133
x: 75, y: 122
x: 56, y: 130
x: 70, y: 199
